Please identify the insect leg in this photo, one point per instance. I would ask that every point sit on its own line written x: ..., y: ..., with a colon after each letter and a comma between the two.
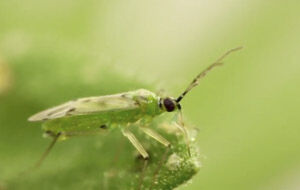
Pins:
x: 140, y: 149
x: 135, y: 143
x: 156, y: 136
x: 163, y: 141
x: 38, y: 164
x: 180, y: 125
x: 40, y: 161
x: 159, y: 167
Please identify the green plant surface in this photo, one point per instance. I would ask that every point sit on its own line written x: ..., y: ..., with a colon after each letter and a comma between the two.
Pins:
x: 110, y: 162
x: 105, y: 161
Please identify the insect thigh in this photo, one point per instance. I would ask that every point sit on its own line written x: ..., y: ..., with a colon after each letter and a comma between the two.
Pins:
x: 155, y: 136
x: 135, y: 143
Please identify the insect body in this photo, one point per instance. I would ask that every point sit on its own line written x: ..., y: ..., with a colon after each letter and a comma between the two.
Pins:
x: 100, y: 112
x: 86, y: 115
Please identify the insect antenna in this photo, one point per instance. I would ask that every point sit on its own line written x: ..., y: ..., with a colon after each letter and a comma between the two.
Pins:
x: 45, y: 154
x: 195, y: 82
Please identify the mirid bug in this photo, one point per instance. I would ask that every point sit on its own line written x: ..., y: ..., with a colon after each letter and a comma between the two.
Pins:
x: 91, y: 114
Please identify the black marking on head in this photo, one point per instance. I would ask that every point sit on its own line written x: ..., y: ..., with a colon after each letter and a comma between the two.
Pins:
x: 160, y: 104
x: 103, y: 126
x: 169, y: 104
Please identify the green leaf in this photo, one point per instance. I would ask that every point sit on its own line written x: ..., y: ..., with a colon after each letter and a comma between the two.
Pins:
x: 110, y: 162
x: 90, y: 162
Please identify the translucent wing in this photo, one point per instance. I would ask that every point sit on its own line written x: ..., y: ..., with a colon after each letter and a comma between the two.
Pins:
x: 87, y: 105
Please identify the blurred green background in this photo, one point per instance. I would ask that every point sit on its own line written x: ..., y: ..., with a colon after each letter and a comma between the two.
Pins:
x: 247, y: 112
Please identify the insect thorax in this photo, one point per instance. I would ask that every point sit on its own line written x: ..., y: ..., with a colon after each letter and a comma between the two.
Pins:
x: 147, y: 101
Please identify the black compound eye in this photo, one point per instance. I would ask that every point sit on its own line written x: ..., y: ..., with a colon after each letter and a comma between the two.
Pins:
x: 169, y: 104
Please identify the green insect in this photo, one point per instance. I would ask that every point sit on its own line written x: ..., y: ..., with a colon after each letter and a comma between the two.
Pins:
x: 91, y: 114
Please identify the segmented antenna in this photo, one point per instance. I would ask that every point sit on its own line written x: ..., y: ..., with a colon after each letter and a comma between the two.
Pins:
x: 195, y: 82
